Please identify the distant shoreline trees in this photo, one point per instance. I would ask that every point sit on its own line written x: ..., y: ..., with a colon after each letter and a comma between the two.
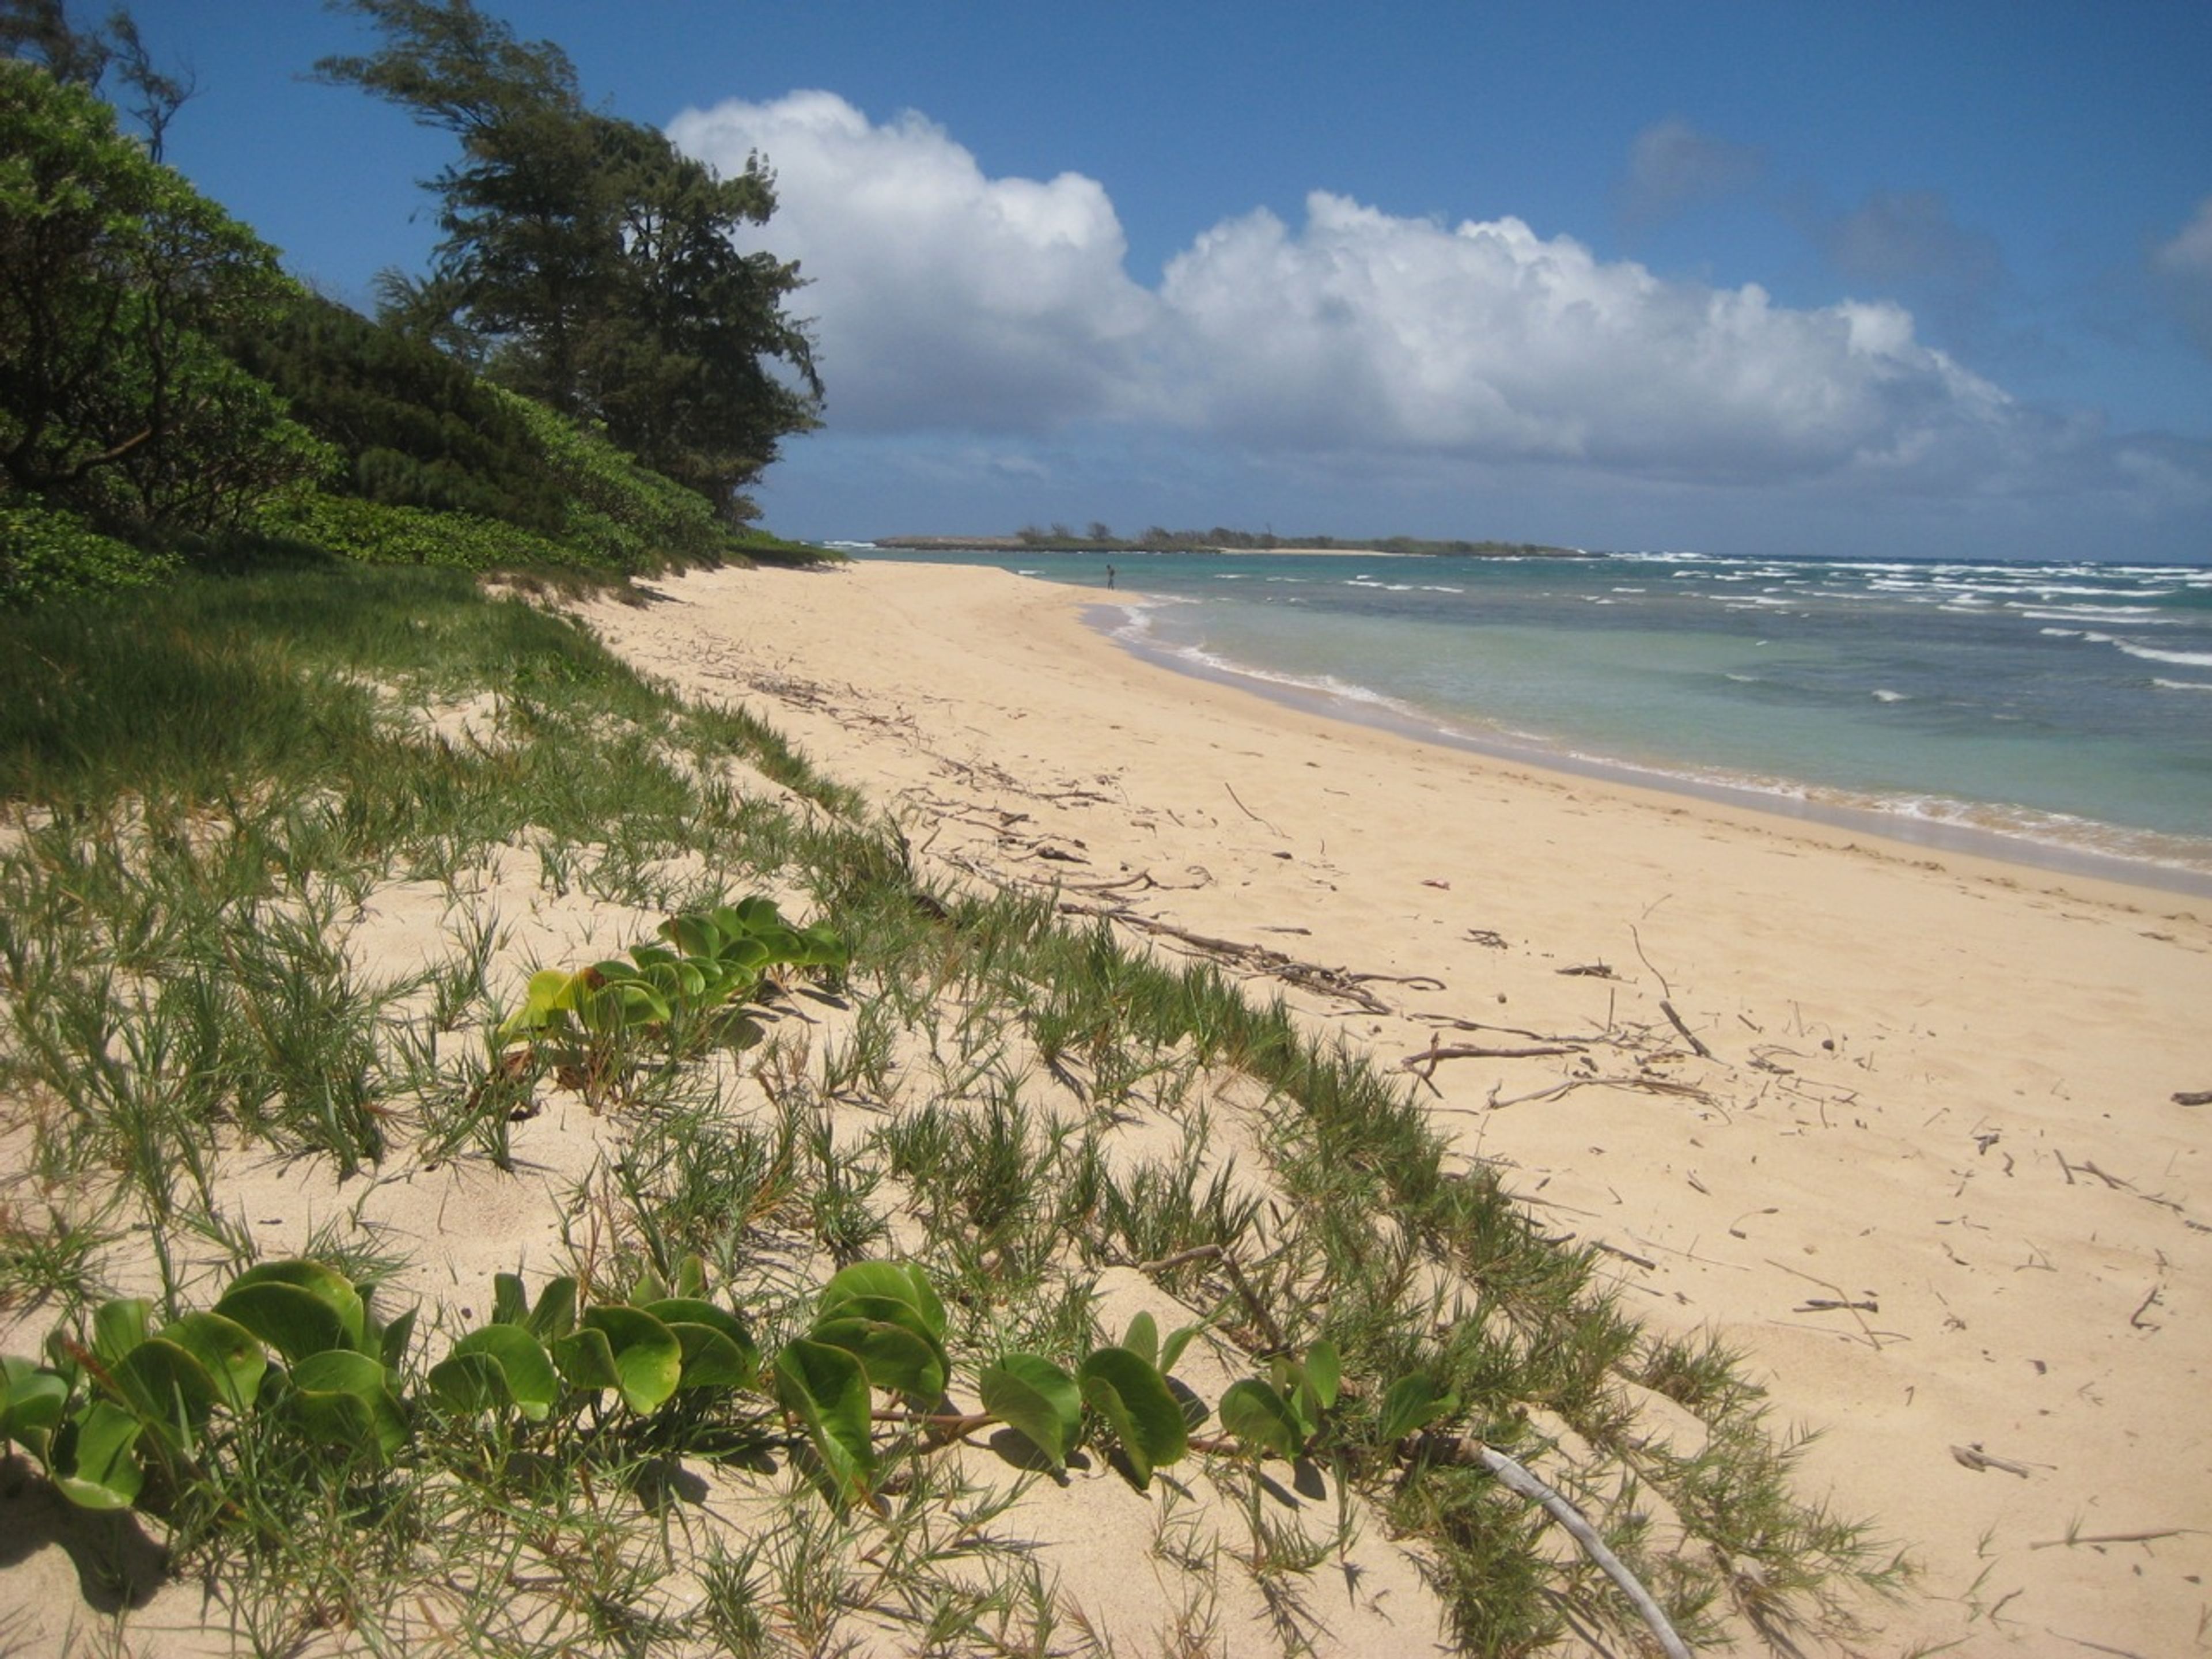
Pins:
x: 1157, y: 538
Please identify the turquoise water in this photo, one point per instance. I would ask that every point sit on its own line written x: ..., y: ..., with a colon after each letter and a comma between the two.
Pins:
x: 2054, y: 713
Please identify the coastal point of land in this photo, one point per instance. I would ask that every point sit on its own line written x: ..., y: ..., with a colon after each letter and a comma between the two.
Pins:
x: 1919, y: 1134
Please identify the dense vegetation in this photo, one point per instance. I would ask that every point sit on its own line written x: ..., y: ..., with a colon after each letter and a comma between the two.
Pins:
x: 168, y: 394
x: 586, y: 262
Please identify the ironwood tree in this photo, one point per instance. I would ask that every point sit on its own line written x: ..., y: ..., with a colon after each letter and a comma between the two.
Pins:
x: 585, y: 260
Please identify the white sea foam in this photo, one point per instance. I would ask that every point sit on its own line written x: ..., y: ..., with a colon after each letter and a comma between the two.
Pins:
x: 2181, y: 658
x: 1467, y: 668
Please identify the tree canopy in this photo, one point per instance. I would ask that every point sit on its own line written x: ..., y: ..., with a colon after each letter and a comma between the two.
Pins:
x: 40, y: 32
x: 116, y: 399
x: 586, y: 261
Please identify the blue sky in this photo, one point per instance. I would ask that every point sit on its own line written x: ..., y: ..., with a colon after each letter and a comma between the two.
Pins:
x: 1932, y: 279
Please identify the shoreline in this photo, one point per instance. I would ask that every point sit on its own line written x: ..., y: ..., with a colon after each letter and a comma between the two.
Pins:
x: 1804, y: 805
x: 1925, y: 1167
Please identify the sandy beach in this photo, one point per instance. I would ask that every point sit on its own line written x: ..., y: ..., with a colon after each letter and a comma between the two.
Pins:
x: 1910, y: 1139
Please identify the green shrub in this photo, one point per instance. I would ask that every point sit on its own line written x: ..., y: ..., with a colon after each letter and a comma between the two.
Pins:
x: 378, y: 533
x: 619, y: 512
x: 47, y: 557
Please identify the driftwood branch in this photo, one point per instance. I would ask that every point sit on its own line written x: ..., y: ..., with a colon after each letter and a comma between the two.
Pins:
x: 1974, y: 1458
x: 1425, y: 1063
x: 1277, y: 1342
x: 2112, y: 1538
x: 1688, y: 1035
x: 1256, y: 959
x: 1247, y: 810
x: 1512, y: 1475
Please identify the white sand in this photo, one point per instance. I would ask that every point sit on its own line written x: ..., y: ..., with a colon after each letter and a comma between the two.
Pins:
x: 1939, y: 1094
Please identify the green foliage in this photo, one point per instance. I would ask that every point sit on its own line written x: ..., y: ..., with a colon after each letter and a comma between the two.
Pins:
x: 826, y: 1387
x: 441, y: 467
x: 1413, y: 1403
x: 376, y: 532
x: 585, y: 260
x: 40, y: 32
x: 620, y: 511
x: 1038, y: 1398
x: 1133, y: 1400
x: 115, y: 398
x: 131, y: 1411
x: 47, y: 557
x: 689, y: 993
x: 296, y: 1342
x: 1283, y: 1414
x: 416, y: 427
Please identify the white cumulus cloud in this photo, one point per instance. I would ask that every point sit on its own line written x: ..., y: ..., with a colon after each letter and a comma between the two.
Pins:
x: 952, y: 301
x: 1487, y: 339
x: 943, y: 297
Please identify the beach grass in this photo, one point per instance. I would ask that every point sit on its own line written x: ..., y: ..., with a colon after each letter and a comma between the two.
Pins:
x: 210, y: 796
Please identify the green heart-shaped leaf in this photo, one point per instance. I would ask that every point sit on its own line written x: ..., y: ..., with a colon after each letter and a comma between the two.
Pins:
x: 498, y: 1366
x: 1260, y: 1417
x: 586, y: 1359
x: 718, y: 1351
x: 693, y: 935
x: 1143, y: 1339
x: 826, y: 1387
x: 32, y: 1401
x: 231, y: 1356
x: 345, y: 1398
x: 648, y: 1360
x: 900, y: 1282
x: 1412, y: 1403
x: 510, y: 1302
x: 897, y: 1357
x: 692, y: 1278
x: 554, y: 1316
x: 273, y: 1301
x: 1135, y: 1401
x: 96, y: 1456
x: 119, y: 1326
x: 1037, y: 1399
x: 1324, y: 1371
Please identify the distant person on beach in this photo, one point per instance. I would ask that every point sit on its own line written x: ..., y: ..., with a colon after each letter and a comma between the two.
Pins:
x: 1110, y: 575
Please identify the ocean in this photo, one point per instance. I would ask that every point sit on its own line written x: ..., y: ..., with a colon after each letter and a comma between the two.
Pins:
x: 2058, y: 714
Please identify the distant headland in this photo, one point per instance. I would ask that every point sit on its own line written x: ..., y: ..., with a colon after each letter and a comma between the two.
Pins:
x: 1100, y: 538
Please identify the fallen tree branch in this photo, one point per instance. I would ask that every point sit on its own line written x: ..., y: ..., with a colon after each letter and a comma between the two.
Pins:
x: 1257, y: 958
x: 1515, y: 1478
x: 1261, y: 1317
x: 1688, y: 1035
x: 2112, y: 1538
x: 1247, y: 810
x: 1975, y: 1458
x: 1425, y: 1063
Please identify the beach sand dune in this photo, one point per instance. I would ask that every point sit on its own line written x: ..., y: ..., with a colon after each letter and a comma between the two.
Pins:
x: 1901, y: 1126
